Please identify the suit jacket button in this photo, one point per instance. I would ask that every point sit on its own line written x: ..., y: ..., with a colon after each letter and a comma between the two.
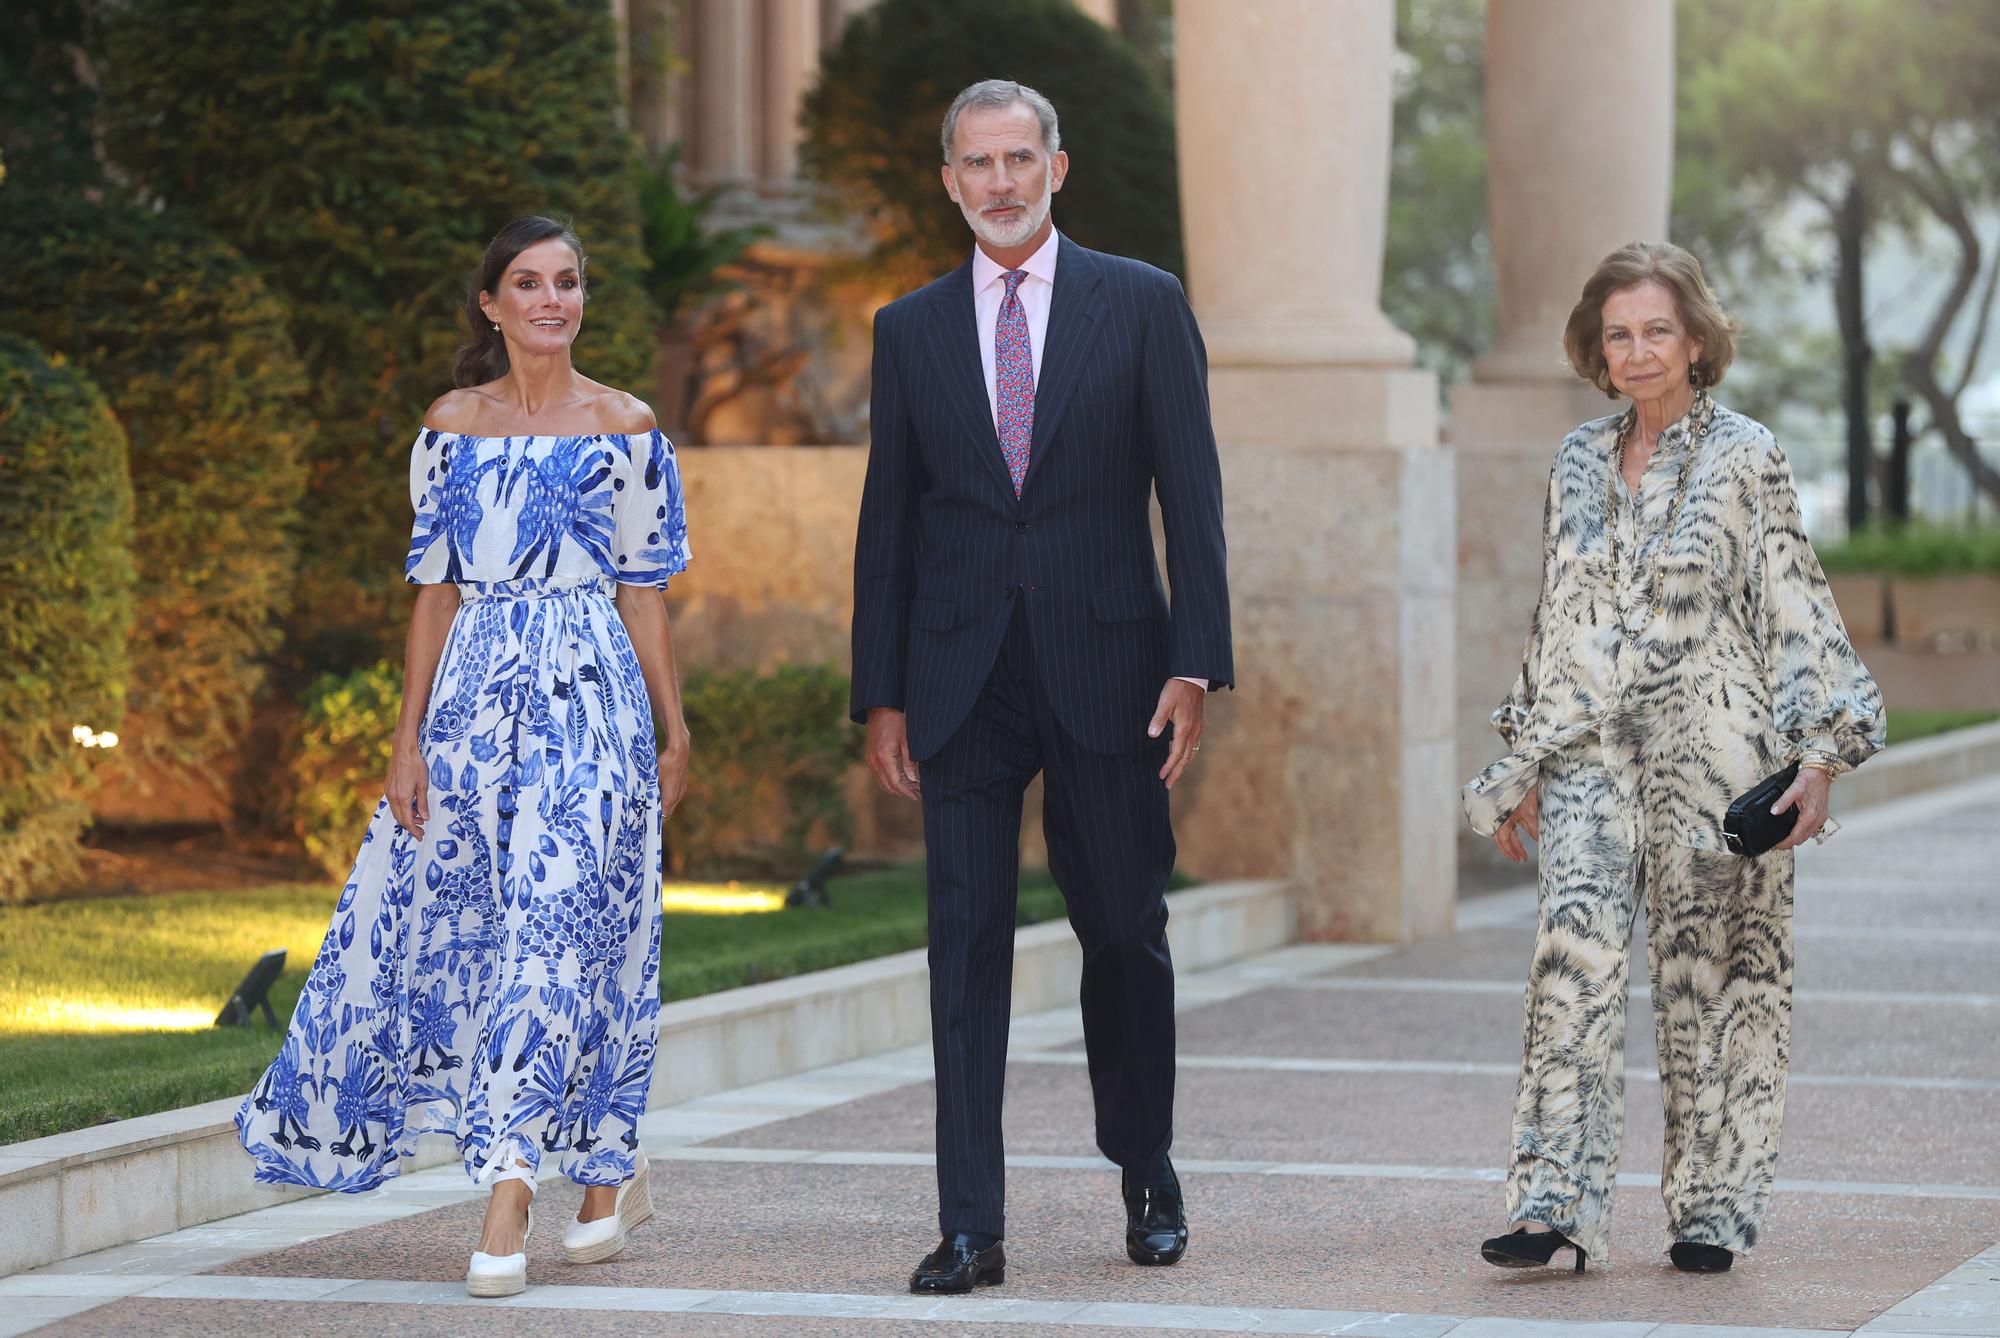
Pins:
x: 1020, y: 527
x: 1010, y: 592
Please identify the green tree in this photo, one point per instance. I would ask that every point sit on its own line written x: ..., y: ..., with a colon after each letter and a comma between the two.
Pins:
x: 871, y: 128
x: 364, y: 154
x: 1878, y: 114
x: 1437, y: 271
x: 65, y: 606
x: 192, y: 352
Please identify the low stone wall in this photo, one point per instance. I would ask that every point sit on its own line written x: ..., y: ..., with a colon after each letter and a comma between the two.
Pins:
x: 93, y: 1188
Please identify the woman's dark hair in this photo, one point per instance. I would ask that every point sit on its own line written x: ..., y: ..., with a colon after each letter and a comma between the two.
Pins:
x: 483, y: 357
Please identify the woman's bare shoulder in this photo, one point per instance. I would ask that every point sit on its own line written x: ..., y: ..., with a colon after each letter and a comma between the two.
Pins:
x: 620, y: 412
x: 456, y: 410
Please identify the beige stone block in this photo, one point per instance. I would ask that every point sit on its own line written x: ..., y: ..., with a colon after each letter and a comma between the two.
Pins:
x: 1324, y: 408
x: 119, y: 1199
x: 1862, y: 600
x: 1429, y: 670
x: 32, y: 1213
x: 1428, y: 520
x: 1946, y: 608
x: 1500, y: 496
x: 1523, y: 416
x: 214, y: 1180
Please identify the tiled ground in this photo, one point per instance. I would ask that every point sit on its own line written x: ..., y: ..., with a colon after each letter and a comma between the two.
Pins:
x: 1342, y: 1115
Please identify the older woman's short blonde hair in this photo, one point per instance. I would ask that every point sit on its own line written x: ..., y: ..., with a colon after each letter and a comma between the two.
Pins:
x: 1633, y: 264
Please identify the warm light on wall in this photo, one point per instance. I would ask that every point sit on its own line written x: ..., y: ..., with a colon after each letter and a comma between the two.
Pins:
x: 91, y: 738
x: 721, y: 900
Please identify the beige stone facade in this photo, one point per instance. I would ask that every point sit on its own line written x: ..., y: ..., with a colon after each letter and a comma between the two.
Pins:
x: 1383, y: 557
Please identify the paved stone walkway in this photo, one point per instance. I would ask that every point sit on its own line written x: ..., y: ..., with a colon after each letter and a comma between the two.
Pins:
x: 1343, y: 1114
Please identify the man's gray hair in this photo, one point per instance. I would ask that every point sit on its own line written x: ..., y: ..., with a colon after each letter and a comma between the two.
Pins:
x: 996, y: 95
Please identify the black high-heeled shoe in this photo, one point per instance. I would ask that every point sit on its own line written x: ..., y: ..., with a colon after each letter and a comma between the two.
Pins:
x: 1523, y: 1248
x: 1690, y: 1257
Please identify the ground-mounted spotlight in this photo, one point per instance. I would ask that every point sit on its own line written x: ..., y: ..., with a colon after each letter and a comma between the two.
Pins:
x: 811, y: 889
x: 254, y: 992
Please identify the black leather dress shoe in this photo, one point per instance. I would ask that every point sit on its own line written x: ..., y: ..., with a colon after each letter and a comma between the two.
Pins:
x: 954, y: 1266
x: 1691, y: 1257
x: 1155, y: 1222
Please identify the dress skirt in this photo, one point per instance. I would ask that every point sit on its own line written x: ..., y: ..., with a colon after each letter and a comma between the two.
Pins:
x: 496, y: 980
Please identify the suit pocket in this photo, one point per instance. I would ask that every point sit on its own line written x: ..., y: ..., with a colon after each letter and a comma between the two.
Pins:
x: 1128, y: 605
x: 933, y: 615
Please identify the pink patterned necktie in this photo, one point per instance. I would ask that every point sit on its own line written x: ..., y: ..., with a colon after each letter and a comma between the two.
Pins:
x: 1014, y: 380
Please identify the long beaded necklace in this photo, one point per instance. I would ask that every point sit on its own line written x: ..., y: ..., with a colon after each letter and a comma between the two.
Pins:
x: 1698, y: 424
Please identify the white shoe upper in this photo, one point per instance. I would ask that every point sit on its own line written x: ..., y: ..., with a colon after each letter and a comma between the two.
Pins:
x: 580, y: 1235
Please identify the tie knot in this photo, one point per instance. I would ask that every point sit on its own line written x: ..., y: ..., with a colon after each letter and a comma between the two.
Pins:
x: 1013, y: 278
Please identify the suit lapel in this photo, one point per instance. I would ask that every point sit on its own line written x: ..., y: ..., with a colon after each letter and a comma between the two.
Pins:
x: 1076, y: 317
x: 954, y: 345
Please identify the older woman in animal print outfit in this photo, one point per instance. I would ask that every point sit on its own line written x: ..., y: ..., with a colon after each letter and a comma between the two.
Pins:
x: 1684, y: 647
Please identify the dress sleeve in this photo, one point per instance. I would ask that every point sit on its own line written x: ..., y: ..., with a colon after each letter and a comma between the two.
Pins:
x: 650, y: 543
x: 1822, y: 696
x: 430, y: 547
x: 1512, y: 716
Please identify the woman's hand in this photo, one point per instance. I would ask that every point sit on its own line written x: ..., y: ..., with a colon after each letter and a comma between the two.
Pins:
x: 409, y: 786
x: 1526, y: 817
x: 674, y: 771
x: 1810, y: 794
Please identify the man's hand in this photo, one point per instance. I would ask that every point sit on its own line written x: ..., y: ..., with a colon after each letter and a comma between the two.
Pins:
x: 889, y: 753
x: 1181, y: 706
x: 1526, y: 817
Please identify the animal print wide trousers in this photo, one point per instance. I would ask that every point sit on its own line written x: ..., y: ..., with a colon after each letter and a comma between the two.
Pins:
x: 1719, y: 949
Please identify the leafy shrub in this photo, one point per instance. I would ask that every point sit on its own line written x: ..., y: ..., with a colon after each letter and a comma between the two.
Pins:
x: 364, y: 155
x: 686, y: 252
x: 768, y: 781
x: 771, y: 758
x: 1915, y: 550
x: 343, y: 760
x: 192, y: 352
x: 48, y: 102
x: 872, y: 127
x: 65, y: 605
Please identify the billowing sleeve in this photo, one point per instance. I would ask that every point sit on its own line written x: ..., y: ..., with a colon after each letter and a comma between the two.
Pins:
x: 1512, y: 716
x: 650, y: 539
x: 1822, y: 696
x: 430, y: 545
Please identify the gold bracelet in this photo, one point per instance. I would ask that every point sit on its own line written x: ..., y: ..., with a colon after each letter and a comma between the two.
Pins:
x: 1814, y: 763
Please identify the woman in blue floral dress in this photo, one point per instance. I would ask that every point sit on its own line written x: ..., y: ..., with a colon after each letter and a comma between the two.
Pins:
x: 492, y: 969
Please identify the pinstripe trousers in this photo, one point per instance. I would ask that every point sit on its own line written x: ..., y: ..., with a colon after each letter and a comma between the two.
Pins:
x: 1111, y: 849
x: 1719, y: 956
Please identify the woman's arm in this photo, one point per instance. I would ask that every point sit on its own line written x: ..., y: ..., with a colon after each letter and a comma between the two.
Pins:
x: 409, y: 783
x: 643, y: 609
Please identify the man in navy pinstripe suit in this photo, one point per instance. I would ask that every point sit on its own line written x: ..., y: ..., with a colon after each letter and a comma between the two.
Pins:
x: 1009, y: 619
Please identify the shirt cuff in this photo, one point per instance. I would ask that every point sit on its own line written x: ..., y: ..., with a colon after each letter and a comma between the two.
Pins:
x: 1201, y: 683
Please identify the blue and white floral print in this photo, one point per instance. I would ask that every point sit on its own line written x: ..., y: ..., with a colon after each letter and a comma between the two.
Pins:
x: 498, y: 980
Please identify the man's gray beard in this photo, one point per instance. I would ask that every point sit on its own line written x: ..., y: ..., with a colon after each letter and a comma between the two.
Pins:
x: 1031, y: 220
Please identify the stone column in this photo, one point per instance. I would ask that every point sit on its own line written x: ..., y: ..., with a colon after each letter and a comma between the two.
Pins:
x: 1333, y: 760
x: 725, y: 118
x: 1579, y: 141
x: 791, y: 63
x: 655, y: 31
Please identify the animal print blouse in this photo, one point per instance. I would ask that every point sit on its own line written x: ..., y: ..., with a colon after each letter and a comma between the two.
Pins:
x: 1740, y: 665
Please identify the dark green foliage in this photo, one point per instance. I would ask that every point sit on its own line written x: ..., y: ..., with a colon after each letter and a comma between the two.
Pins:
x: 768, y: 784
x: 364, y: 154
x: 65, y: 605
x: 342, y: 761
x: 47, y: 106
x: 1915, y: 550
x: 686, y: 255
x: 192, y: 352
x: 872, y: 128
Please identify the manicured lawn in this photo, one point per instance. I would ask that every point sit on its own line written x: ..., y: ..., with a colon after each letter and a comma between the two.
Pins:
x: 105, y: 1004
x: 1907, y: 725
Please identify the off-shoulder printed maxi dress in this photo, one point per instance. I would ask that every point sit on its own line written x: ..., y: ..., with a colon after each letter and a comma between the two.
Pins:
x: 498, y: 980
x: 1641, y: 722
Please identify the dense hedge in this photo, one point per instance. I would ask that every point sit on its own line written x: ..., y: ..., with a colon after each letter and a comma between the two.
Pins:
x: 65, y: 605
x: 364, y: 154
x: 1916, y: 549
x: 768, y: 787
x: 342, y: 761
x: 191, y: 350
x: 872, y: 127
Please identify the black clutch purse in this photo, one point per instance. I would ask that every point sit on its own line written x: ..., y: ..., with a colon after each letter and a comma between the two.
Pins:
x: 1750, y: 827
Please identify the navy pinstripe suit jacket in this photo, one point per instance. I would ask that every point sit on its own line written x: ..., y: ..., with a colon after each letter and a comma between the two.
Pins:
x: 945, y: 548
